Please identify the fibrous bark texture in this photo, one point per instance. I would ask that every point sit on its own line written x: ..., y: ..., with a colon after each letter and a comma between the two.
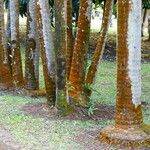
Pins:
x: 17, y: 73
x: 47, y: 49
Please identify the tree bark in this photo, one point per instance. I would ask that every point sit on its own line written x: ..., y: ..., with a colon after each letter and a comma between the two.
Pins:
x: 47, y: 49
x: 100, y: 45
x: 32, y: 80
x: 5, y: 75
x: 69, y: 34
x: 77, y: 73
x: 17, y: 73
x: 62, y: 101
x: 127, y: 131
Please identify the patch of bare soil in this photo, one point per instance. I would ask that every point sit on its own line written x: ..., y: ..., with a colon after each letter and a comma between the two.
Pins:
x: 40, y: 110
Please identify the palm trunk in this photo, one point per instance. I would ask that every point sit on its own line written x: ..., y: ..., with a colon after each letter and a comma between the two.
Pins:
x: 77, y: 73
x: 127, y: 132
x: 100, y: 45
x: 47, y: 49
x: 30, y: 72
x: 5, y: 76
x: 69, y: 45
x: 8, y: 38
x: 17, y: 73
x: 62, y: 102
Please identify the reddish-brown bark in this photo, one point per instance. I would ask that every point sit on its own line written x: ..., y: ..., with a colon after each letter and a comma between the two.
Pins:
x: 77, y: 73
x: 127, y: 131
x: 69, y: 34
x: 100, y: 44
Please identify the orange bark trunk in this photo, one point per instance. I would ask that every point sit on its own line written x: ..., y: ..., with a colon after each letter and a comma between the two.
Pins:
x: 77, y: 73
x: 100, y: 43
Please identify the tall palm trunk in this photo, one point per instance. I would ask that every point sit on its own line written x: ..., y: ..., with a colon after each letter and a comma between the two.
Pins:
x: 8, y: 38
x: 31, y: 49
x: 47, y: 49
x: 17, y: 73
x: 100, y: 44
x: 62, y: 102
x: 5, y: 76
x: 127, y: 132
x: 69, y: 34
x: 77, y: 73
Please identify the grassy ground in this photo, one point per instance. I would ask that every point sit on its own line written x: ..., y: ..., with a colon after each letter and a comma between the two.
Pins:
x: 48, y: 131
x: 25, y: 124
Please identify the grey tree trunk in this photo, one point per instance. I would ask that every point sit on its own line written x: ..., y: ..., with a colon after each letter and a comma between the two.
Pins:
x: 32, y: 49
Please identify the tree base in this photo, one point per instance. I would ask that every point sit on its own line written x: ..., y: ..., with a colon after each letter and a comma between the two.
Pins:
x: 124, y: 136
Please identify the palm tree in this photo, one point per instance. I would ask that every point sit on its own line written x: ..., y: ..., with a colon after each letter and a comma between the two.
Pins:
x: 32, y: 80
x: 47, y: 49
x: 77, y: 72
x: 62, y: 102
x: 17, y: 73
x: 5, y: 75
x: 127, y: 130
x: 100, y: 45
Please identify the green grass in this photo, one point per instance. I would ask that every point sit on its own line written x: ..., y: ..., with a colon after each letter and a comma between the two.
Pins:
x: 40, y: 133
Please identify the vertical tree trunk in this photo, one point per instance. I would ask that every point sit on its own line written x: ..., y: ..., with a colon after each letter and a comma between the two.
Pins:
x: 62, y: 102
x: 77, y: 73
x: 31, y: 49
x: 17, y: 73
x: 47, y: 49
x: 69, y: 50
x: 127, y: 132
x: 5, y: 76
x: 100, y: 44
x: 8, y: 38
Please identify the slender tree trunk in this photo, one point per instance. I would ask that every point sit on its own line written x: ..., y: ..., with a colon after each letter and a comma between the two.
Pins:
x: 127, y: 132
x: 31, y: 49
x: 17, y: 73
x: 143, y: 20
x: 47, y: 49
x: 77, y: 73
x: 69, y: 45
x: 62, y: 102
x: 8, y: 38
x: 100, y: 44
x: 5, y: 76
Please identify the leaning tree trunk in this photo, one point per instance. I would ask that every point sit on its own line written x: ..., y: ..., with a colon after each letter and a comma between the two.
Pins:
x: 127, y: 132
x: 77, y: 73
x: 47, y: 49
x: 17, y: 73
x: 100, y: 45
x: 143, y: 20
x: 62, y: 102
x: 31, y: 49
x: 5, y: 75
